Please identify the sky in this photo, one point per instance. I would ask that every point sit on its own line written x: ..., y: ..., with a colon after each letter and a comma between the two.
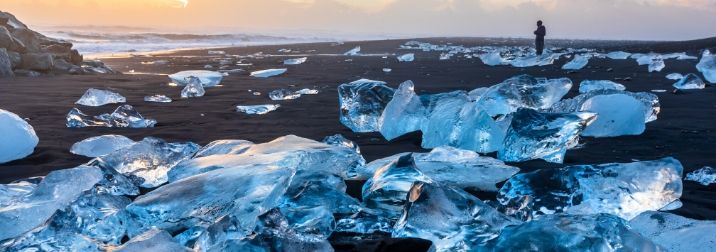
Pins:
x: 590, y: 19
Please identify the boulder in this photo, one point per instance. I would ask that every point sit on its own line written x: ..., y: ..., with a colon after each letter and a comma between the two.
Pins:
x: 15, y: 59
x: 27, y: 73
x: 10, y: 21
x: 75, y: 57
x: 5, y: 64
x: 6, y: 39
x: 38, y: 61
x: 62, y: 66
x: 28, y: 38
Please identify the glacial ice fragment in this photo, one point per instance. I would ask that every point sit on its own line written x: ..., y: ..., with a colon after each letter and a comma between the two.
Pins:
x: 621, y: 189
x: 56, y: 191
x: 587, y: 86
x: 443, y: 120
x: 534, y: 135
x: 690, y: 81
x: 535, y: 60
x: 353, y: 52
x: 100, y: 145
x: 404, y: 113
x: 657, y: 65
x: 704, y: 176
x: 340, y: 140
x: 18, y: 138
x: 707, y: 66
x: 296, y: 61
x: 158, y: 98
x: 362, y: 103
x: 522, y: 91
x: 154, y: 240
x: 201, y: 200
x: 124, y: 116
x: 98, y: 97
x: 493, y: 58
x: 408, y: 57
x: 193, y: 88
x: 223, y: 147
x: 618, y: 55
x: 206, y: 78
x: 307, y: 91
x: 257, y: 109
x: 268, y: 73
x: 283, y: 94
x: 148, y: 161
x: 388, y: 188
x: 676, y: 233
x: 674, y: 76
x: 451, y: 218
x: 561, y: 232
x: 579, y: 62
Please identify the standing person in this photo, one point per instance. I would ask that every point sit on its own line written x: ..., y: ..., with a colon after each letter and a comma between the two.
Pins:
x: 539, y: 40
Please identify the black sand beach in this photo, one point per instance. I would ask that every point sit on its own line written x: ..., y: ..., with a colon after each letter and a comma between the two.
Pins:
x: 686, y: 128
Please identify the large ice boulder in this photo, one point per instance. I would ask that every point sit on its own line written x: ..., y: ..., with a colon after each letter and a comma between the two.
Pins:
x: 206, y: 78
x: 404, y: 113
x: 522, y: 91
x: 362, y: 103
x: 622, y: 189
x: 388, y: 189
x: 707, y: 66
x: 587, y: 86
x: 97, y: 97
x: 676, y: 233
x: 18, y: 138
x: 100, y: 145
x: 154, y: 240
x: 193, y: 88
x: 690, y: 81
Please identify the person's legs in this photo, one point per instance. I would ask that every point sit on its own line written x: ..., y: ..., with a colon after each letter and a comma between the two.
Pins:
x: 540, y: 47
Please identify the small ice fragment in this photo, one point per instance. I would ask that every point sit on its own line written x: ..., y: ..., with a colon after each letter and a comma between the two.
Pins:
x: 579, y: 62
x: 100, y: 145
x: 657, y: 65
x: 193, y: 89
x: 619, y: 55
x: 353, y: 51
x: 18, y: 138
x: 98, y: 97
x: 307, y: 91
x: 690, y: 81
x: 387, y: 70
x: 659, y: 90
x: 590, y: 85
x: 207, y: 78
x: 208, y: 66
x: 216, y: 52
x: 268, y: 73
x: 256, y: 93
x: 296, y: 61
x: 704, y: 176
x: 409, y: 57
x: 124, y: 116
x: 158, y: 98
x: 674, y: 76
x: 283, y: 94
x: 257, y: 109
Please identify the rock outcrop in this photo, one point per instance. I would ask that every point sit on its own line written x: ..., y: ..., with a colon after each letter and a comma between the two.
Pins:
x: 24, y: 52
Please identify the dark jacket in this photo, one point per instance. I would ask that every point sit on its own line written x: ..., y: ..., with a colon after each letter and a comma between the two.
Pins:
x: 541, y: 32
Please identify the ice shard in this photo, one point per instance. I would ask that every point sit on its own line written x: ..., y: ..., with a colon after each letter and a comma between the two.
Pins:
x: 206, y: 78
x: 97, y: 97
x: 535, y: 60
x: 158, y: 98
x: 704, y: 176
x: 340, y: 140
x: 56, y: 191
x: 656, y: 65
x: 307, y: 91
x: 362, y: 103
x: 148, y: 161
x: 587, y: 86
x: 404, y: 113
x: 690, y: 81
x: 451, y: 218
x: 18, y: 138
x: 522, y: 91
x: 444, y: 119
x: 257, y: 109
x: 268, y: 73
x: 289, y: 151
x: 707, y: 66
x: 674, y: 76
x: 618, y: 55
x: 100, y: 145
x: 534, y: 135
x: 579, y: 62
x: 223, y: 147
x: 622, y: 189
x: 124, y: 116
x: 353, y: 52
x: 601, y: 232
x: 193, y: 88
x: 388, y: 188
x: 676, y: 233
x: 408, y: 57
x: 296, y: 61
x: 493, y: 58
x: 201, y: 200
x: 154, y: 240
x: 283, y: 94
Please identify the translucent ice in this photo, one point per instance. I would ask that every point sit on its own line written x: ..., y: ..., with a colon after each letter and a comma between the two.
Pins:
x: 547, y: 136
x: 656, y: 65
x: 535, y: 60
x: 601, y: 232
x: 690, y: 81
x: 56, y: 191
x: 707, y: 66
x: 353, y: 51
x: 405, y: 113
x: 222, y: 147
x: 307, y: 91
x: 257, y: 109
x: 704, y: 176
x: 268, y: 73
x: 100, y: 145
x: 340, y: 140
x: 296, y: 61
x: 283, y: 94
x: 206, y: 78
x: 676, y: 233
x: 154, y: 240
x: 98, y: 97
x: 18, y: 138
x: 522, y: 91
x: 451, y: 218
x: 362, y: 102
x: 158, y: 98
x: 622, y: 189
x: 201, y: 200
x: 674, y: 76
x: 388, y: 188
x: 579, y: 62
x: 493, y: 58
x: 193, y: 88
x: 587, y: 86
x: 148, y: 161
x: 618, y: 55
x: 124, y: 116
x: 408, y: 57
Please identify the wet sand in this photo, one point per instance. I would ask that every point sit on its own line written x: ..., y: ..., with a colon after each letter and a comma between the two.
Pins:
x: 686, y: 128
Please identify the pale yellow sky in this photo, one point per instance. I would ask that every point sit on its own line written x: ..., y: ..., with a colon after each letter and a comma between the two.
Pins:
x: 607, y: 19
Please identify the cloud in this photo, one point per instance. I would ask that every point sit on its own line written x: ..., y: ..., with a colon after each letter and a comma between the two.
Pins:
x: 361, y: 5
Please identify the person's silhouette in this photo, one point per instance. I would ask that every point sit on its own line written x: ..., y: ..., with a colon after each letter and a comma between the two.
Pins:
x: 539, y: 40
